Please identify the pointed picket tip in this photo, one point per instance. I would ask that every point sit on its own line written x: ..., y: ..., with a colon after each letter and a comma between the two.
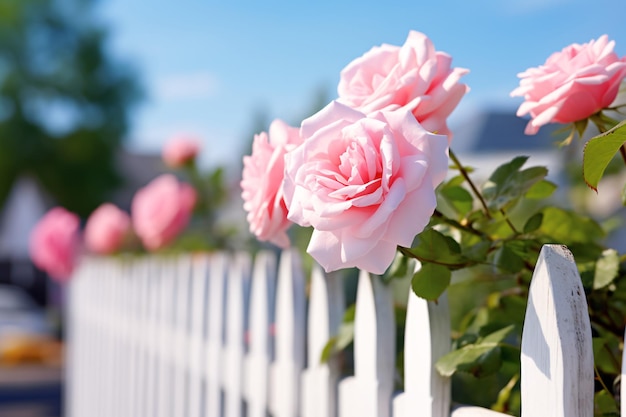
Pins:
x: 374, y: 331
x: 427, y: 338
x: 557, y: 355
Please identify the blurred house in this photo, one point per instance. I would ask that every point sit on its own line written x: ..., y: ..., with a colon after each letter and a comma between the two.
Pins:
x: 28, y: 202
x: 490, y: 138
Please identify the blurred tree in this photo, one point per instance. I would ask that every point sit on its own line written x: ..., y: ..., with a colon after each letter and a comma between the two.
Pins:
x: 64, y: 102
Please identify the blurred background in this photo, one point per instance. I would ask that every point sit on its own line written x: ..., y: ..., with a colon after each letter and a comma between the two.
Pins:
x: 91, y: 90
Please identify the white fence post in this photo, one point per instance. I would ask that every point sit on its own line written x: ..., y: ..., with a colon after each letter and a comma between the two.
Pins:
x: 257, y: 363
x: 557, y: 355
x: 427, y: 338
x: 234, y: 350
x: 319, y: 380
x: 289, y: 338
x: 214, y: 367
x: 368, y: 392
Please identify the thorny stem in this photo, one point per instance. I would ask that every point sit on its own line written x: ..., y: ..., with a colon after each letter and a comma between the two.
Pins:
x: 465, y: 176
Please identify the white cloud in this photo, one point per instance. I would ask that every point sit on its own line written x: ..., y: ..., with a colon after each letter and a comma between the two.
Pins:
x: 198, y: 85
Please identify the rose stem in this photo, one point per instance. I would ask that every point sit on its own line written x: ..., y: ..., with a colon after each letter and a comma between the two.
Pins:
x: 477, y: 193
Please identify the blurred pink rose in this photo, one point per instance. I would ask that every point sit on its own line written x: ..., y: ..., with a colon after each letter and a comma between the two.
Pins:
x: 414, y: 77
x: 365, y: 184
x: 55, y: 242
x: 180, y: 151
x: 106, y: 229
x: 572, y: 85
x: 161, y: 210
x: 261, y: 184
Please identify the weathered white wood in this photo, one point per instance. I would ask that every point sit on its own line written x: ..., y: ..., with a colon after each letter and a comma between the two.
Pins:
x: 233, y: 354
x: 289, y: 339
x: 319, y: 380
x: 557, y: 355
x: 368, y: 392
x: 259, y: 355
x: 215, y: 334
x: 426, y: 339
x: 152, y: 337
x: 196, y: 334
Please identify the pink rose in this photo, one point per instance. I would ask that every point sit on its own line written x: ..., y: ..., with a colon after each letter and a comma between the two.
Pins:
x: 365, y: 184
x: 54, y: 243
x: 572, y: 85
x: 180, y: 151
x: 414, y: 77
x: 106, y: 229
x: 261, y: 184
x: 161, y: 210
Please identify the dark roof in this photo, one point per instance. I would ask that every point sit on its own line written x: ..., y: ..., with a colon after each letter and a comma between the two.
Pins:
x: 500, y: 131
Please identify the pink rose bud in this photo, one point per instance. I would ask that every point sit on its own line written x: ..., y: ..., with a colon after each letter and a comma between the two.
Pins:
x: 180, y: 151
x: 572, y: 85
x: 106, y: 229
x: 365, y: 183
x: 161, y: 210
x: 414, y: 77
x: 261, y: 184
x: 54, y: 243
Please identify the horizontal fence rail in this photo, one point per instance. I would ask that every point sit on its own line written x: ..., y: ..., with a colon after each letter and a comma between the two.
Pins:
x: 221, y: 335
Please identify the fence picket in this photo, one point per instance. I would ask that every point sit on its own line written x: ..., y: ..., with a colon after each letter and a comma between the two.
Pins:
x: 213, y: 369
x: 557, y: 353
x: 236, y: 299
x: 196, y: 334
x: 257, y: 362
x: 427, y: 338
x: 319, y: 380
x: 368, y: 392
x: 289, y: 339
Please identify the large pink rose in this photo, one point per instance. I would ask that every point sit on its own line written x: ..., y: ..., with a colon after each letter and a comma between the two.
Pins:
x: 161, y: 210
x: 572, y: 85
x: 180, y: 151
x: 106, y: 229
x: 414, y: 77
x: 55, y: 242
x: 365, y: 183
x: 261, y: 184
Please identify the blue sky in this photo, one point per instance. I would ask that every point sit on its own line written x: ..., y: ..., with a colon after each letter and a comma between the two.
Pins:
x: 208, y: 67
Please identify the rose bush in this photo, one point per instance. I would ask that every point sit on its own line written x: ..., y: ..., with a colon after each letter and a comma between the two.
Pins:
x: 161, y: 210
x: 414, y: 77
x: 365, y: 184
x: 180, y: 151
x: 261, y: 183
x: 106, y: 229
x: 55, y: 243
x: 571, y: 85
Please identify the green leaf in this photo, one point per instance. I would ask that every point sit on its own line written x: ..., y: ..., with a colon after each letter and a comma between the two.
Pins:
x: 433, y: 246
x: 542, y: 189
x: 568, y: 227
x: 431, y: 281
x: 507, y: 260
x: 499, y: 335
x: 458, y: 197
x: 624, y: 195
x: 533, y: 223
x: 507, y: 183
x: 606, y: 269
x: 599, y: 151
x: 478, y: 251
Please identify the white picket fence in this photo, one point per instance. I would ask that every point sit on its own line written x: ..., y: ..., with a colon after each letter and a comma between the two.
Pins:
x: 215, y: 335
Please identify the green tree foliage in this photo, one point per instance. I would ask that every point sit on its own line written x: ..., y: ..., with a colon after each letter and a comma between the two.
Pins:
x: 64, y: 102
